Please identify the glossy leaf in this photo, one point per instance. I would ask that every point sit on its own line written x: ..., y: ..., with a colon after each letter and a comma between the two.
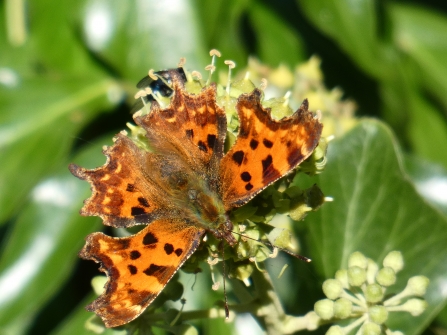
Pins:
x: 37, y: 132
x: 41, y: 249
x: 353, y: 26
x: 277, y: 42
x: 222, y: 28
x: 420, y: 33
x: 143, y: 35
x: 429, y: 179
x: 376, y: 209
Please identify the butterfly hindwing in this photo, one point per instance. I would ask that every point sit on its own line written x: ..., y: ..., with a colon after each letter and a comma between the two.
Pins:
x: 265, y: 149
x: 138, y: 267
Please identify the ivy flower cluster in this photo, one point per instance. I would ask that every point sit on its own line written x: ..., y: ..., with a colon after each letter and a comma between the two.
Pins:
x: 359, y: 292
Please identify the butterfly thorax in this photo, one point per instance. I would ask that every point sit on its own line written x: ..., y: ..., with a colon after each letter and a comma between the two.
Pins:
x: 203, y: 205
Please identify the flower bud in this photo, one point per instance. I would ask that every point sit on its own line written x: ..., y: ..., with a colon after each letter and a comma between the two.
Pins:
x: 357, y: 259
x: 356, y: 276
x: 417, y: 285
x: 414, y: 306
x: 332, y: 288
x: 378, y: 314
x: 394, y: 260
x: 373, y: 293
x: 342, y: 277
x: 386, y: 276
x: 325, y: 309
x: 342, y: 308
x: 371, y: 271
x: 371, y: 328
x: 335, y: 330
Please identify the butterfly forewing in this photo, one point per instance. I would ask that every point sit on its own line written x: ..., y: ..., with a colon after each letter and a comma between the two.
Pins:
x: 265, y: 149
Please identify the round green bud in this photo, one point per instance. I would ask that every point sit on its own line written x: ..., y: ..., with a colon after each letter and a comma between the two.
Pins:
x: 414, y: 306
x: 325, y: 309
x: 386, y: 276
x: 417, y: 285
x: 378, y: 314
x: 371, y: 328
x: 342, y: 277
x: 342, y: 308
x: 394, y: 260
x: 335, y: 330
x: 332, y: 288
x: 356, y: 276
x: 357, y: 259
x: 373, y: 293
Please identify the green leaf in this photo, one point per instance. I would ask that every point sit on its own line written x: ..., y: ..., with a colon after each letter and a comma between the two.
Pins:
x: 427, y: 130
x: 42, y: 246
x: 376, y: 209
x: 277, y: 42
x: 429, y: 179
x: 420, y: 33
x: 138, y: 36
x: 353, y: 26
x: 37, y: 132
x: 221, y: 26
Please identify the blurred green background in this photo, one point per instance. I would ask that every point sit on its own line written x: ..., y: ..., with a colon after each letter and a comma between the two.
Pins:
x: 67, y: 77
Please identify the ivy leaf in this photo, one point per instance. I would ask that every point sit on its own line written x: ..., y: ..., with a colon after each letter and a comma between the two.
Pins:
x: 43, y: 243
x: 376, y: 209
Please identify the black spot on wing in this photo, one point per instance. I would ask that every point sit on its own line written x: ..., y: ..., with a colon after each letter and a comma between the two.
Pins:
x: 154, y: 269
x: 178, y: 251
x: 267, y: 143
x: 266, y: 163
x: 130, y: 188
x: 134, y: 211
x: 169, y: 248
x: 248, y: 186
x: 135, y: 254
x: 149, y: 239
x: 254, y: 144
x: 246, y: 176
x: 132, y: 269
x: 238, y: 157
x: 143, y: 202
x: 189, y: 133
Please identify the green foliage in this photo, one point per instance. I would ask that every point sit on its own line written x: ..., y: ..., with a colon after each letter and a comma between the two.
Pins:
x: 66, y: 85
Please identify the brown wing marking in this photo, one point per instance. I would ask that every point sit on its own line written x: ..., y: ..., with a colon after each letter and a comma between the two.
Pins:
x: 138, y: 267
x: 122, y: 194
x: 193, y: 124
x: 265, y: 149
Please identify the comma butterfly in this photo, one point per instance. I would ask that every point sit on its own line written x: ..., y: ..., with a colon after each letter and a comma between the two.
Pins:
x: 182, y: 187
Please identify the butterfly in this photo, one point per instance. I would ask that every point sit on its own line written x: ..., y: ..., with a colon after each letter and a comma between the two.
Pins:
x: 182, y: 186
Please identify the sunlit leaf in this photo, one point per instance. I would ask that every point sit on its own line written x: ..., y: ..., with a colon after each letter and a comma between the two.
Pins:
x: 376, y: 209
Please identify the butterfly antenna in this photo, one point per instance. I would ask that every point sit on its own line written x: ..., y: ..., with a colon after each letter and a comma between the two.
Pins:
x: 291, y: 253
x: 227, y: 310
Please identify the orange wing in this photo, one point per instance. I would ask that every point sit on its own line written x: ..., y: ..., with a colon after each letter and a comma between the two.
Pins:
x: 122, y: 193
x: 192, y: 127
x: 138, y: 267
x: 265, y: 149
